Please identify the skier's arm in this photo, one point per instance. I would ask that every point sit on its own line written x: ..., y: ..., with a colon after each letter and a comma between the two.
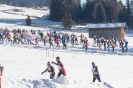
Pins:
x: 54, y: 63
x: 44, y: 71
x: 95, y: 69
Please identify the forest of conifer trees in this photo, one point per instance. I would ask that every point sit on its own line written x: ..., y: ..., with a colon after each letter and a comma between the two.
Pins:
x: 92, y: 11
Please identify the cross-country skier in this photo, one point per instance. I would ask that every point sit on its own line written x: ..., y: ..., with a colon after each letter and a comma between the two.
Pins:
x: 76, y: 40
x: 50, y: 69
x: 108, y: 45
x: 58, y: 42
x: 50, y: 42
x: 86, y: 45
x: 113, y: 46
x: 41, y: 35
x: 95, y: 39
x: 95, y: 73
x: 122, y: 46
x: 60, y: 67
x: 44, y: 40
x: 104, y: 43
x: 81, y: 39
x: 126, y: 42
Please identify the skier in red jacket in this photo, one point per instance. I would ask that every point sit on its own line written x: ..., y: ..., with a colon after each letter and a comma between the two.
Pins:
x: 60, y: 66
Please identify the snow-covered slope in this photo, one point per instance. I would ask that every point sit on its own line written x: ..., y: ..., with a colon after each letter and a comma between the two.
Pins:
x: 23, y: 67
x: 25, y: 11
x: 23, y: 64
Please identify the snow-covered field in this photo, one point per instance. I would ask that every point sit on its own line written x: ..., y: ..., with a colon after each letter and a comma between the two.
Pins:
x: 25, y: 11
x: 23, y: 64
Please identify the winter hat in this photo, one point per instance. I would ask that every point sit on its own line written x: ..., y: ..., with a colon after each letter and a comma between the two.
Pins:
x: 49, y: 63
x: 58, y: 58
x: 93, y: 63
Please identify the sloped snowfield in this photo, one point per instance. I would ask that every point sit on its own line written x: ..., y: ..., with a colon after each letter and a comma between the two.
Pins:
x: 23, y: 64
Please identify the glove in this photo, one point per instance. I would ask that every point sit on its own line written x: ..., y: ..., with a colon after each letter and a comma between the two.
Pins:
x: 42, y: 73
x: 52, y: 62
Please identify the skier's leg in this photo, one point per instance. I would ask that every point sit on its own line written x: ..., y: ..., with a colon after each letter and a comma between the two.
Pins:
x: 113, y: 50
x: 65, y: 46
x: 60, y: 73
x: 126, y: 48
x: 122, y: 49
x: 86, y: 48
x: 98, y: 77
x: 44, y: 42
x: 94, y: 77
x: 64, y: 71
x: 52, y: 75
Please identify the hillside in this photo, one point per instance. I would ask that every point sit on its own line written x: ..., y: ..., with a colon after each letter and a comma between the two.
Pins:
x: 25, y: 3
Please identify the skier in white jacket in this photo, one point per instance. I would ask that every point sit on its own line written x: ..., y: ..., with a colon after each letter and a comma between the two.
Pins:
x: 95, y: 73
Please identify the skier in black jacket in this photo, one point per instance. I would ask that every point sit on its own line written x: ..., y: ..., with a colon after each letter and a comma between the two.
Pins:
x: 50, y: 69
x: 60, y: 67
x: 95, y: 73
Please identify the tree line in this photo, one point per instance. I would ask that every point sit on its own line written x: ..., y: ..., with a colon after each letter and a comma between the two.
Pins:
x: 93, y: 11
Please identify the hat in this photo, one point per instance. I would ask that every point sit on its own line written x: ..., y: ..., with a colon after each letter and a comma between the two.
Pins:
x: 49, y: 63
x: 58, y: 58
x: 92, y: 63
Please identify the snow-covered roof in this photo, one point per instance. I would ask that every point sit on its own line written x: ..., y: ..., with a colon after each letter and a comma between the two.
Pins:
x: 106, y: 25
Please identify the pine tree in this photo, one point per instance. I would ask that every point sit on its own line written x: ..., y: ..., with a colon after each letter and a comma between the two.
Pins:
x: 121, y: 12
x: 99, y: 14
x: 28, y: 21
x: 114, y: 15
x: 79, y: 12
x: 122, y: 15
x: 67, y: 20
x: 88, y: 11
x: 107, y: 6
x: 57, y: 9
x: 120, y: 7
x: 129, y: 16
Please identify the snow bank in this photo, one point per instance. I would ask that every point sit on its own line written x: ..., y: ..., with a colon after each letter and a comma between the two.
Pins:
x: 62, y: 80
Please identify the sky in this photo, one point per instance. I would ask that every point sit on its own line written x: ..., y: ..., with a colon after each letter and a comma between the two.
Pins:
x: 123, y: 1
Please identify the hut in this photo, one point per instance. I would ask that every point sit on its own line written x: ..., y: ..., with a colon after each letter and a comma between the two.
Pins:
x: 107, y: 30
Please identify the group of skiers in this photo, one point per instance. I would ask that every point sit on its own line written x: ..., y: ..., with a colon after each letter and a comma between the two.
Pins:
x: 63, y: 38
x: 62, y: 70
x: 66, y: 39
x: 111, y: 43
x: 51, y: 69
x: 56, y: 39
x: 18, y: 36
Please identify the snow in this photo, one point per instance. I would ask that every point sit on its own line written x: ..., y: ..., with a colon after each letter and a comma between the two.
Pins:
x: 25, y: 11
x: 23, y: 64
x: 23, y: 67
x: 107, y: 25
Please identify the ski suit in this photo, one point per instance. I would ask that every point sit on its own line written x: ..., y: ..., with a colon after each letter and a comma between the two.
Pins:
x: 51, y: 71
x: 95, y: 74
x: 61, y: 68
